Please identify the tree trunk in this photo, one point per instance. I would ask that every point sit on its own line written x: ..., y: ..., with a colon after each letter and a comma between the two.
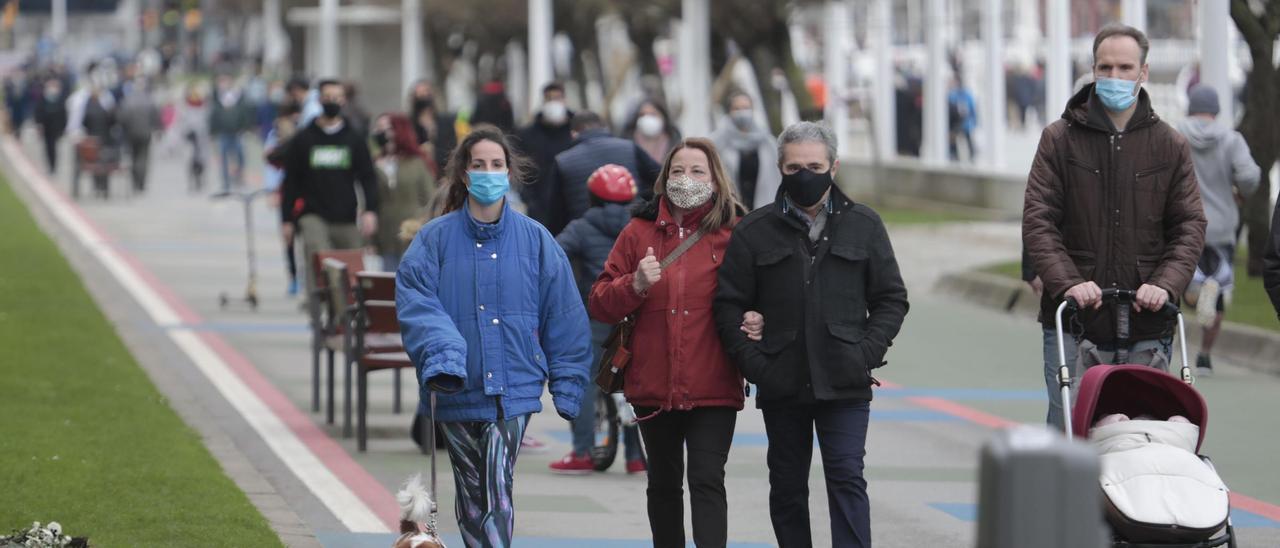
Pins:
x: 1262, y: 105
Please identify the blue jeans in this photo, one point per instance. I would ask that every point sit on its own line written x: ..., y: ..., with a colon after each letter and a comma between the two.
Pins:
x: 842, y: 438
x: 232, y: 150
x: 584, y: 427
x: 1054, y: 415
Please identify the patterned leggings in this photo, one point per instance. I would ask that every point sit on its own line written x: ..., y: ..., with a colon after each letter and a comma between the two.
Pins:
x: 483, y: 455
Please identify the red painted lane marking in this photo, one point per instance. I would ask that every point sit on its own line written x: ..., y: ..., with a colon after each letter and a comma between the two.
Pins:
x: 1250, y: 504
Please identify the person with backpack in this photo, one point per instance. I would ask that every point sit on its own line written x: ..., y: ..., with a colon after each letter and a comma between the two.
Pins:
x: 587, y: 242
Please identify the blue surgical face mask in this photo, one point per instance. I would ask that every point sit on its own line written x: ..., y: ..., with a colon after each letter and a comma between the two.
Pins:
x: 1116, y: 94
x: 487, y: 187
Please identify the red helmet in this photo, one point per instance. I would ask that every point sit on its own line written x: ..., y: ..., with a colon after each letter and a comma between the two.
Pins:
x: 612, y: 183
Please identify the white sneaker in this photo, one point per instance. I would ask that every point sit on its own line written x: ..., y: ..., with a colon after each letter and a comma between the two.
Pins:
x: 1206, y: 304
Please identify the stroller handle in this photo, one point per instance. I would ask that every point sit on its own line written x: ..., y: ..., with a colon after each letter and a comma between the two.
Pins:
x: 1125, y: 296
x: 1113, y: 295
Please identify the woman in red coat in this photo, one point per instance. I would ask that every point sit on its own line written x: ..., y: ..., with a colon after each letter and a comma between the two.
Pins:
x: 679, y: 379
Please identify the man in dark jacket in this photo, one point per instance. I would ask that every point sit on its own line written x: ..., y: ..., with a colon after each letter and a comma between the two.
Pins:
x: 1111, y: 202
x: 324, y: 163
x: 51, y: 116
x: 230, y: 117
x: 541, y: 141
x: 1271, y: 262
x: 565, y: 198
x: 822, y: 272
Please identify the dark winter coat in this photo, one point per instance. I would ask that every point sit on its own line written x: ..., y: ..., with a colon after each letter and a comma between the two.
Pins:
x: 831, y: 308
x: 541, y: 143
x: 588, y: 240
x: 566, y: 197
x: 1121, y: 209
x: 1271, y: 261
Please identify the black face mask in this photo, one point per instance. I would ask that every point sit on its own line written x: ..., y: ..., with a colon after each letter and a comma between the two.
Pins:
x: 331, y: 110
x: 805, y: 188
x: 380, y: 139
x: 422, y: 104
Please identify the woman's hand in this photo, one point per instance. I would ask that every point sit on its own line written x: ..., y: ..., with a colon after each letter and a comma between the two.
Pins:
x: 648, y: 272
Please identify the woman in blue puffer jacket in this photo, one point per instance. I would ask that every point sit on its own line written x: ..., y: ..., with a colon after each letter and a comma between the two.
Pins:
x: 489, y: 312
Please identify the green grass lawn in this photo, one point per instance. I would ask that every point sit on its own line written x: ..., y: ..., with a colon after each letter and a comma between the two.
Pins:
x: 1249, y: 305
x: 898, y: 216
x: 85, y: 439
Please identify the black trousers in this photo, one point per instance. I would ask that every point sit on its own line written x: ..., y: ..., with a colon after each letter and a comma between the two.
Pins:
x: 51, y: 150
x: 707, y: 433
x: 842, y: 437
x: 139, y: 162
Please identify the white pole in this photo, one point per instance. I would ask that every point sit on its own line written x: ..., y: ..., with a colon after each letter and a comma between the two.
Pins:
x: 694, y: 68
x: 880, y: 27
x: 1135, y: 13
x: 836, y: 61
x: 328, y: 38
x: 410, y: 42
x: 1057, y: 79
x: 59, y: 20
x: 541, y: 27
x: 1215, y: 17
x: 934, y: 147
x: 993, y: 110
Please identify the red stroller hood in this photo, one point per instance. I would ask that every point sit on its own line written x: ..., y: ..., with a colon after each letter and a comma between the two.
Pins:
x: 1136, y: 390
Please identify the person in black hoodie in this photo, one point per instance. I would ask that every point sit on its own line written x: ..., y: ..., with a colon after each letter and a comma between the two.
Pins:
x: 541, y: 141
x: 323, y: 165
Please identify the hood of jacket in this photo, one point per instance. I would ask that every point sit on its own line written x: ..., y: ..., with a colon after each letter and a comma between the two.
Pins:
x: 1203, y: 134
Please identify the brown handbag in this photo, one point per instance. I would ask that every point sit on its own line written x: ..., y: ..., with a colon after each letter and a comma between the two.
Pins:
x: 617, y: 353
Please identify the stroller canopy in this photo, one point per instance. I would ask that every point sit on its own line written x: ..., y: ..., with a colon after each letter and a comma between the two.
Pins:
x: 1136, y: 390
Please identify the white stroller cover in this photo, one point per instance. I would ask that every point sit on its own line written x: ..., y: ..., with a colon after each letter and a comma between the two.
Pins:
x: 1151, y: 474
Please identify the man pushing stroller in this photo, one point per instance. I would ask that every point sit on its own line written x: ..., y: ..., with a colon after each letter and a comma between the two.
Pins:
x: 1111, y: 202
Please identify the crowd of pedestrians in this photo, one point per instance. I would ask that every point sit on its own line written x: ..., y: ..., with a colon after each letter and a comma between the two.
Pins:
x: 738, y: 262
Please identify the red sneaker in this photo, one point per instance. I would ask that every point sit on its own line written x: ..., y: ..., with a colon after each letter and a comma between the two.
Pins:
x: 636, y: 466
x: 574, y: 464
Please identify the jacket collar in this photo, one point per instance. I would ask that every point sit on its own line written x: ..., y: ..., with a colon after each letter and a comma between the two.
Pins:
x: 1086, y: 109
x: 837, y: 203
x: 486, y: 231
x: 590, y: 134
x: 667, y: 221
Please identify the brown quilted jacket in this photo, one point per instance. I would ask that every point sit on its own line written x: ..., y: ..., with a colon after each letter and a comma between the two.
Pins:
x: 1118, y: 208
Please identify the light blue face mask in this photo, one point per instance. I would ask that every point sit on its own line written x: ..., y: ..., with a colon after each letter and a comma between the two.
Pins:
x: 487, y: 187
x: 1116, y: 94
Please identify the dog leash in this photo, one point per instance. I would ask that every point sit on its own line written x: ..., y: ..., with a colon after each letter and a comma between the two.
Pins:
x: 431, y: 446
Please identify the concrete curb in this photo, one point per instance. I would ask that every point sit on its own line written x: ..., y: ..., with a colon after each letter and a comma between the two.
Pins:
x: 1250, y: 347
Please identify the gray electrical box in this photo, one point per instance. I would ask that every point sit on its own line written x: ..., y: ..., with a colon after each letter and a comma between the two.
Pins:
x: 1039, y: 489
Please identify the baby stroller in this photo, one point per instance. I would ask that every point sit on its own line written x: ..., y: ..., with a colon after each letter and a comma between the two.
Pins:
x: 1160, y: 492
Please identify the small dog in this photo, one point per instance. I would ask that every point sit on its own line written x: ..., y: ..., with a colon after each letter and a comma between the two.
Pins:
x: 417, y: 524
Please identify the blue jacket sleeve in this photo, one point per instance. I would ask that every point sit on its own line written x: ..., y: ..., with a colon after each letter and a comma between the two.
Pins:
x: 565, y: 333
x: 431, y: 339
